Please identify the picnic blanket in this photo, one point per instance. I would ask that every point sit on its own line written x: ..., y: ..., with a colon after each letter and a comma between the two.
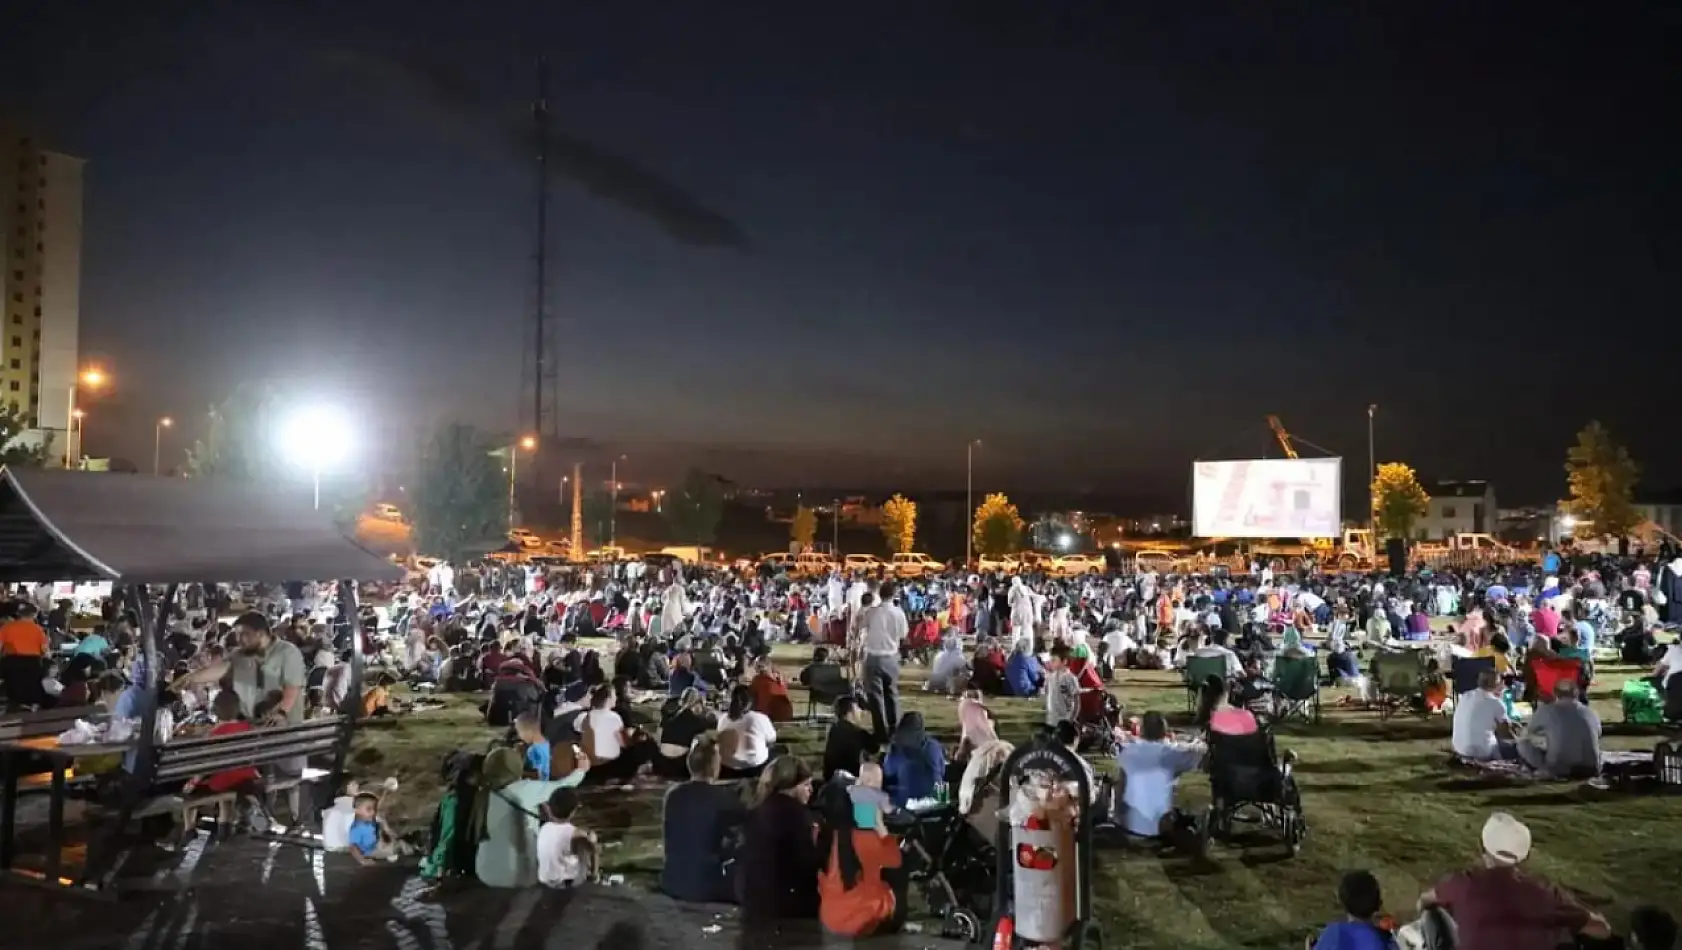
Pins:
x: 1519, y: 772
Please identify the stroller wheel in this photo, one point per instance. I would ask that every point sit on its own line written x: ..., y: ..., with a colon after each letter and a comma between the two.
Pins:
x: 962, y: 925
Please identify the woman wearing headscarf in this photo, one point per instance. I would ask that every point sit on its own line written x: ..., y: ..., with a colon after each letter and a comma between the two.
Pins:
x: 950, y: 672
x: 505, y: 820
x: 916, y: 763
x: 861, y: 881
x: 1021, y: 600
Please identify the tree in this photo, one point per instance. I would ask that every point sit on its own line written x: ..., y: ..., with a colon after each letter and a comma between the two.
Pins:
x: 15, y: 450
x: 1601, y: 477
x: 998, y: 527
x: 242, y: 443
x: 693, y: 509
x: 804, y: 530
x: 1398, y: 500
x: 899, y: 524
x: 459, y: 495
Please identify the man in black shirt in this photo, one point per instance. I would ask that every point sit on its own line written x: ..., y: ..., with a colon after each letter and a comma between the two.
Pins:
x: 701, y: 819
x: 848, y: 742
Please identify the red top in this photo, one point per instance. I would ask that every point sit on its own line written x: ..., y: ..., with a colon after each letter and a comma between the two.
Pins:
x: 230, y: 779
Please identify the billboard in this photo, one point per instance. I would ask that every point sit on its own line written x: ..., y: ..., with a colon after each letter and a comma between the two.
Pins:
x: 1267, y: 498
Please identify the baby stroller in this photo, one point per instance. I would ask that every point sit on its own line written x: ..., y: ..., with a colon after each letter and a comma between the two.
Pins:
x: 1245, y: 772
x: 952, y: 864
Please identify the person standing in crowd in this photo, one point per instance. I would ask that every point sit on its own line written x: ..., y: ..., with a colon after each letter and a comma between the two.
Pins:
x: 881, y: 628
x: 23, y: 653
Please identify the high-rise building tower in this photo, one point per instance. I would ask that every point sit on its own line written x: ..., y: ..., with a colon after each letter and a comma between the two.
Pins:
x: 40, y: 281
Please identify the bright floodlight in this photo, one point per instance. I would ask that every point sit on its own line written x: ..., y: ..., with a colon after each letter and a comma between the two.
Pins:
x: 316, y: 438
x: 1568, y: 522
x: 1066, y: 542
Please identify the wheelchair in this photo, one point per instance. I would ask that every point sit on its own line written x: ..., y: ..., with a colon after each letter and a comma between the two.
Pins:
x: 1250, y: 784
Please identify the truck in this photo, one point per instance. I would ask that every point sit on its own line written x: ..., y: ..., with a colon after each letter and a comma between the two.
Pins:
x: 1352, y: 552
x: 689, y: 553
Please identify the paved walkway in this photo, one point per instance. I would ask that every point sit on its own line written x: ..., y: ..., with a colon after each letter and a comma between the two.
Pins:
x: 251, y: 895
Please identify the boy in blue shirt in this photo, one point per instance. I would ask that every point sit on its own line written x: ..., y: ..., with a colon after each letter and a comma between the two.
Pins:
x: 538, y: 758
x: 1363, y: 928
x: 369, y: 839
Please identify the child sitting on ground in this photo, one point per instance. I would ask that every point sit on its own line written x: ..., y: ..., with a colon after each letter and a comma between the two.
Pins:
x: 1364, y: 927
x: 870, y: 803
x: 370, y: 839
x: 566, y: 854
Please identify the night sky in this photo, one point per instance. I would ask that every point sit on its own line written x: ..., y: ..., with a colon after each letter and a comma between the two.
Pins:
x: 1106, y: 238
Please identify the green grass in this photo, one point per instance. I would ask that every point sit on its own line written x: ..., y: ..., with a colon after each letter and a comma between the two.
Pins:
x: 1378, y: 796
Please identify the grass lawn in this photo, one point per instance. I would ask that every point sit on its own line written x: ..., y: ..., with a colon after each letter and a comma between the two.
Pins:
x: 1378, y: 796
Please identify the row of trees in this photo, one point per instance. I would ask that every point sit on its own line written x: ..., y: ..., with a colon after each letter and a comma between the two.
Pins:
x: 1600, y: 477
x: 997, y: 528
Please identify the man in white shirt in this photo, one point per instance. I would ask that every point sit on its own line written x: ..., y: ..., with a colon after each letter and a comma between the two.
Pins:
x: 881, y: 628
x: 1482, y: 732
x: 1149, y: 769
x: 1216, y: 647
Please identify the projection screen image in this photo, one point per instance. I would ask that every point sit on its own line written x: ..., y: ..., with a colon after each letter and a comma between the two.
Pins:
x: 1267, y: 498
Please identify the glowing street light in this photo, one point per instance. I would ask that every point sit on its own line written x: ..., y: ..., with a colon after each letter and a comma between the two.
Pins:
x: 158, y: 441
x: 1066, y: 541
x: 93, y: 378
x: 529, y: 443
x: 316, y: 438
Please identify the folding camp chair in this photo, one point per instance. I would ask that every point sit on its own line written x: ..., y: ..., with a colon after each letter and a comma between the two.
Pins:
x: 1198, y: 671
x: 825, y: 683
x: 1546, y: 672
x: 1296, y: 687
x: 1467, y: 670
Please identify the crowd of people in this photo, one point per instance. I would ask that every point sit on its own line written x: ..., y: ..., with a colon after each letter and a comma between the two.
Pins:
x: 687, y: 694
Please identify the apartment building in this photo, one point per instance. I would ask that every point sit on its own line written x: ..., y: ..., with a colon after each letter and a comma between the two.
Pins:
x: 40, y: 280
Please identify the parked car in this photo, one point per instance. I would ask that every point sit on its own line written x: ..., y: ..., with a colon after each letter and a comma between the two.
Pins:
x: 916, y: 565
x: 1003, y: 564
x: 867, y: 563
x: 812, y: 564
x: 1150, y: 559
x: 525, y: 537
x: 606, y: 554
x: 780, y: 562
x: 1074, y: 565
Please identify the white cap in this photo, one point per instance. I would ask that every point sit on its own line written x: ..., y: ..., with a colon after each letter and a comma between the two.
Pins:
x: 1506, y: 839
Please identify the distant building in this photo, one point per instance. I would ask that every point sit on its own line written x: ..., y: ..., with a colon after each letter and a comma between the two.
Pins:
x: 1457, y: 507
x: 40, y: 282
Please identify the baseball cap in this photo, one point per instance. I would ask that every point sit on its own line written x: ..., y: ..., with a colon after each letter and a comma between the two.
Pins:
x: 1505, y: 839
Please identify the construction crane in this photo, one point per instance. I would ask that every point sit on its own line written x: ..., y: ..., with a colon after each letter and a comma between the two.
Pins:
x: 1283, y: 436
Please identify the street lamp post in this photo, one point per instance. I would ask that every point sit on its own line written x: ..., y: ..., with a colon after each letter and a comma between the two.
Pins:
x: 158, y: 442
x: 528, y: 443
x: 835, y: 526
x: 659, y: 500
x: 1372, y: 478
x: 318, y: 437
x: 93, y: 378
x: 613, y: 509
x: 969, y: 501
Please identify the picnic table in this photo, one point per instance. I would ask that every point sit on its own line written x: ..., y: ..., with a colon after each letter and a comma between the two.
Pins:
x: 15, y: 754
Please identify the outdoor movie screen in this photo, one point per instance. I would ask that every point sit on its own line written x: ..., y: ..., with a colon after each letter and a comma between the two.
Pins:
x: 1267, y: 498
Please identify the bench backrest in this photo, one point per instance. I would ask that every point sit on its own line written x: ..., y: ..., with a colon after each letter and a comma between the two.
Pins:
x: 47, y: 722
x: 181, y: 759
